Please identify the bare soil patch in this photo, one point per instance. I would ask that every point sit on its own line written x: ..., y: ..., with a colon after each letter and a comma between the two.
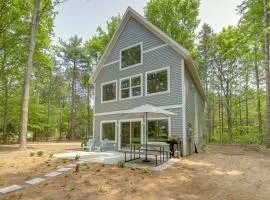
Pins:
x: 18, y: 166
x: 221, y: 172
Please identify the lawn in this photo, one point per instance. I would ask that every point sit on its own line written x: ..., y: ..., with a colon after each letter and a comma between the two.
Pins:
x: 221, y: 172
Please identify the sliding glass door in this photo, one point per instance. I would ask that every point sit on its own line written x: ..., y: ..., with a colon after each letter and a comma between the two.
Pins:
x: 130, y: 133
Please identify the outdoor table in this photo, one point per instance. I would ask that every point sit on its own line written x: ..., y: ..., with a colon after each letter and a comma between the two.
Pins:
x: 142, y: 147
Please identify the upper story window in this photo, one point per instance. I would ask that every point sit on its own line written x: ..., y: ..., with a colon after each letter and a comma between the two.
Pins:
x: 158, y: 81
x: 131, y: 87
x: 108, y: 91
x: 131, y: 56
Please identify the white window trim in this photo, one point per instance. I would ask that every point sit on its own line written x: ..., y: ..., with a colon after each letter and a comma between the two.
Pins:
x: 101, y: 132
x: 168, y: 81
x: 169, y: 126
x: 128, y: 47
x: 130, y: 87
x: 106, y: 83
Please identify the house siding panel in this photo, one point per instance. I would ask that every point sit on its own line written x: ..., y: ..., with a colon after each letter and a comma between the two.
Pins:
x: 159, y: 58
x: 176, y: 125
x: 193, y: 98
x: 133, y: 33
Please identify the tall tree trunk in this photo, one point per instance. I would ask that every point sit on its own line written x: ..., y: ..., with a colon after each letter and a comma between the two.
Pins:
x: 246, y: 101
x: 229, y: 119
x: 73, y: 109
x: 49, y: 107
x: 267, y: 74
x: 222, y: 117
x: 88, y: 112
x: 5, y: 110
x: 219, y: 119
x: 27, y: 79
x: 209, y: 123
x: 258, y: 94
x: 240, y: 116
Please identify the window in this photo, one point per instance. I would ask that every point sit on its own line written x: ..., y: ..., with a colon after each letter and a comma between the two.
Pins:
x: 108, y: 130
x: 131, y: 87
x: 157, y: 81
x: 131, y: 56
x: 158, y: 130
x: 108, y: 91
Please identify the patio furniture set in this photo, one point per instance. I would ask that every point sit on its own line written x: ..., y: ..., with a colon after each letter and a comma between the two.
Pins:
x: 94, y: 145
x: 159, y: 152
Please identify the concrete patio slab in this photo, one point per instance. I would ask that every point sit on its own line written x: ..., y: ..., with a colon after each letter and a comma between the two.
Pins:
x: 80, y: 162
x: 64, y: 169
x: 70, y: 165
x: 109, y: 157
x: 9, y: 189
x: 113, y: 157
x: 35, y: 181
x: 53, y: 174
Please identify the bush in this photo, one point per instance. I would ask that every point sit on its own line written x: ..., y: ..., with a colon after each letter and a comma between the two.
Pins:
x: 40, y: 153
x: 77, y: 157
x: 51, y: 155
x: 32, y: 154
x: 146, y: 170
x: 121, y: 164
x: 77, y: 168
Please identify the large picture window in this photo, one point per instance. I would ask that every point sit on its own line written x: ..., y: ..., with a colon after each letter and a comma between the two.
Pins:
x: 131, y: 56
x: 157, y: 81
x: 158, y: 130
x: 108, y: 130
x: 131, y: 87
x: 109, y: 91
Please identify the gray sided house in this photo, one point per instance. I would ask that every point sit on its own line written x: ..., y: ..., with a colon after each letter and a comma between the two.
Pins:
x: 142, y: 65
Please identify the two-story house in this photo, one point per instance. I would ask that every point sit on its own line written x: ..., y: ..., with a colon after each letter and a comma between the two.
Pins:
x: 143, y: 65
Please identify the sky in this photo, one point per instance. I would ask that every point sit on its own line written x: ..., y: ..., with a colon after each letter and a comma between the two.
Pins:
x: 82, y: 17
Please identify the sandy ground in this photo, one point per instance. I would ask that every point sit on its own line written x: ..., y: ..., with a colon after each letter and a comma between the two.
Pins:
x: 221, y: 172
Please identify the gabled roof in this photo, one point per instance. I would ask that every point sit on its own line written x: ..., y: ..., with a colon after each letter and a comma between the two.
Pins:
x: 161, y: 35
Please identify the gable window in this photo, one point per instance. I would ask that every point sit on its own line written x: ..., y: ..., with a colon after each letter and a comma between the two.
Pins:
x: 157, y: 81
x: 131, y: 87
x: 108, y: 91
x: 108, y: 130
x: 131, y: 56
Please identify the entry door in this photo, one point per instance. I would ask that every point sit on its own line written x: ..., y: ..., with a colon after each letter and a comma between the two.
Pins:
x: 130, y: 133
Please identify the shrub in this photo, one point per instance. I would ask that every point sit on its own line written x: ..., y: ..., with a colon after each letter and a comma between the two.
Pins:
x: 77, y: 168
x: 51, y: 155
x: 121, y: 164
x: 133, y: 189
x: 77, y: 157
x: 40, y: 153
x: 72, y: 187
x: 32, y: 154
x: 146, y: 170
